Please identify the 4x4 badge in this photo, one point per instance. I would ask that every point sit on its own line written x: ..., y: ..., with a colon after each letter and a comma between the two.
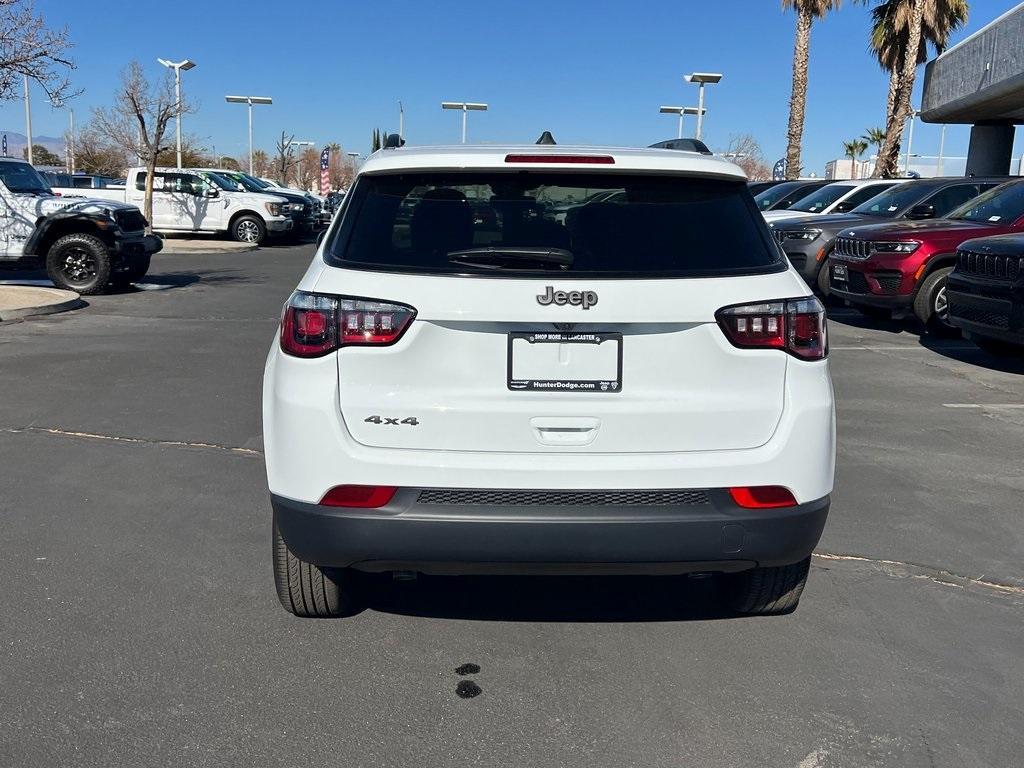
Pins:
x: 585, y: 299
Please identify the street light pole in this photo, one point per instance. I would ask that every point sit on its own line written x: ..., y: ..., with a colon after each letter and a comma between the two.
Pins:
x: 701, y: 78
x: 942, y: 146
x: 250, y: 100
x: 401, y: 121
x: 178, y: 66
x: 299, y: 161
x: 910, y: 138
x: 71, y: 140
x: 465, y: 106
x: 28, y: 121
x: 680, y: 111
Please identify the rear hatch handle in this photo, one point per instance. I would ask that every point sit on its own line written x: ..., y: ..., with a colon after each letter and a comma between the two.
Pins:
x: 565, y: 430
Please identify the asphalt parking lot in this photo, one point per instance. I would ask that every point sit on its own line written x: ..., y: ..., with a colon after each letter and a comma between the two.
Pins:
x: 140, y: 625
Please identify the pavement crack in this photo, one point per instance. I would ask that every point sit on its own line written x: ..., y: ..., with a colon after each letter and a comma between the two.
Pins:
x: 947, y: 578
x: 55, y: 431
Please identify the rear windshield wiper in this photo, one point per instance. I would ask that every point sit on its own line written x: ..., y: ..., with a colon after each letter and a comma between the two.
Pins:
x: 513, y: 258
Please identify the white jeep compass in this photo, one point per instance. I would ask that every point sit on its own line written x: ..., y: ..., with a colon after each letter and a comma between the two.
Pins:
x: 548, y: 360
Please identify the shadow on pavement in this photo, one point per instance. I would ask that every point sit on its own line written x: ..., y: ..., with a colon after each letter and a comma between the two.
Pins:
x: 547, y: 598
x: 854, y: 319
x: 964, y: 351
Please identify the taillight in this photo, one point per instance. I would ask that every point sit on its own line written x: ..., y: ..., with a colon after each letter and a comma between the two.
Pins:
x: 794, y: 325
x: 763, y: 497
x: 361, y: 496
x: 562, y: 159
x: 314, y: 324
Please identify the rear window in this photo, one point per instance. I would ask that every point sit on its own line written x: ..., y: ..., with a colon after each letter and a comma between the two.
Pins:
x: 515, y: 224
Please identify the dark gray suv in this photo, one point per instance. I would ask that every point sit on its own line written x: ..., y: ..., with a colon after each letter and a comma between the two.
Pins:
x: 809, y: 240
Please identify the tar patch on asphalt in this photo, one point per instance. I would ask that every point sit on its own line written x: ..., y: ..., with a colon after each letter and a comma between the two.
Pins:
x: 467, y: 689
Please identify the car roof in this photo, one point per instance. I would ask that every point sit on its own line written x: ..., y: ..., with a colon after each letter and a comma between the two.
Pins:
x: 483, y: 157
x: 865, y: 182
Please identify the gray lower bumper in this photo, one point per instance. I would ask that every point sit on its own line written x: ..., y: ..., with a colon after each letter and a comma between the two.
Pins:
x: 280, y: 225
x: 457, y: 538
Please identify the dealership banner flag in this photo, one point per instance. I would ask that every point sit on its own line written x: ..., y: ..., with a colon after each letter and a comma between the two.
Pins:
x: 325, y: 176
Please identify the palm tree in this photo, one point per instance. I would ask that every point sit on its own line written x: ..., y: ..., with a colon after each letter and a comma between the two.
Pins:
x: 854, y: 148
x: 874, y: 136
x: 902, y: 26
x: 806, y: 12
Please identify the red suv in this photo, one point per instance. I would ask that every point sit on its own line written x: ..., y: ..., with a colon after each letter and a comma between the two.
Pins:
x: 903, y: 265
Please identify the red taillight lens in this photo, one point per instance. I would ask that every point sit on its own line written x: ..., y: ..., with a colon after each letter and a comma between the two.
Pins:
x: 762, y: 497
x: 361, y: 496
x: 563, y: 159
x: 313, y: 325
x: 794, y: 325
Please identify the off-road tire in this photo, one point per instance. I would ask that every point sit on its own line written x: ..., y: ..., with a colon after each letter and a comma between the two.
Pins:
x: 931, y: 306
x: 248, y: 229
x: 79, y: 262
x: 308, y: 591
x: 767, y: 591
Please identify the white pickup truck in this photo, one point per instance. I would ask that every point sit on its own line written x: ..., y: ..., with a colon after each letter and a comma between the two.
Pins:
x: 183, y: 201
x: 84, y: 244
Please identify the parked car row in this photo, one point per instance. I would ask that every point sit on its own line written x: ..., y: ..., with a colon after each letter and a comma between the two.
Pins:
x: 912, y: 249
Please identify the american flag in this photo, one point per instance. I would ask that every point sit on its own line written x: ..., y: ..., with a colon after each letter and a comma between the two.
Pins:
x: 325, y: 176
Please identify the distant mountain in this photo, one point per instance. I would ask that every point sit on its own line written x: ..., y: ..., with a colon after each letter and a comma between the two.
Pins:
x: 16, y: 142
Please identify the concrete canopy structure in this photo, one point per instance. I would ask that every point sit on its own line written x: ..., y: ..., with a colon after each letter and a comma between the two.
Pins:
x: 980, y: 81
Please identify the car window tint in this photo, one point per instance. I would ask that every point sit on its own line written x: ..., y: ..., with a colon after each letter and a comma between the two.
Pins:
x: 945, y: 200
x: 612, y: 224
x: 865, y: 193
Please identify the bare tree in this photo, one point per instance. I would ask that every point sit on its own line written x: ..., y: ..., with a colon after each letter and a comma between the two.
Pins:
x: 29, y: 47
x: 96, y: 154
x: 138, y: 121
x: 745, y: 151
x: 309, y: 165
x: 285, y: 160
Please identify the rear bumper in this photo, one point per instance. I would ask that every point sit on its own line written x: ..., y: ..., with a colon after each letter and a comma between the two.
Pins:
x: 715, y: 535
x: 988, y: 308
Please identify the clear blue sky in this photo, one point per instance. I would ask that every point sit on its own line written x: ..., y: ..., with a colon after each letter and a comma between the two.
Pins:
x: 590, y: 72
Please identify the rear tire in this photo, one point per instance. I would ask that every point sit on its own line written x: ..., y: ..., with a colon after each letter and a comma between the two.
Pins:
x: 931, y: 305
x: 79, y: 262
x: 306, y: 590
x: 767, y: 591
x: 249, y: 229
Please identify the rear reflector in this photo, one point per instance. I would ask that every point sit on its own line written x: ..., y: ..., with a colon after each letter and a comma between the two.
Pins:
x: 562, y: 159
x: 361, y: 496
x: 762, y: 497
x: 794, y: 325
x: 313, y: 324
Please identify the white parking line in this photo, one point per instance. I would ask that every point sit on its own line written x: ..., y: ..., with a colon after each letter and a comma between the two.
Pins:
x: 994, y: 406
